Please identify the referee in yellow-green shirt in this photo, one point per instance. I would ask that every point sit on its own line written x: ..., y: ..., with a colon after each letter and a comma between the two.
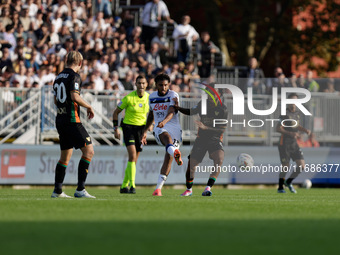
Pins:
x: 136, y: 105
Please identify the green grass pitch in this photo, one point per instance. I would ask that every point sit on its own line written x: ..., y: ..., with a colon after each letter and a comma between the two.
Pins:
x: 246, y: 221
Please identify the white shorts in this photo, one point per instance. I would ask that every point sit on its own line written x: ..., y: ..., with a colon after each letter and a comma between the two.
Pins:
x: 175, y: 134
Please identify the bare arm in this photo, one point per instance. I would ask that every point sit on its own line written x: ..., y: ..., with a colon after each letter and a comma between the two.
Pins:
x: 280, y: 129
x: 115, y: 122
x: 80, y: 101
x: 305, y: 130
x: 116, y: 113
x: 149, y: 122
x: 185, y: 111
x: 168, y: 117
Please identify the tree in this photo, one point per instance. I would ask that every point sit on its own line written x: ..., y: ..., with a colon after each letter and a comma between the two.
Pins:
x: 265, y: 29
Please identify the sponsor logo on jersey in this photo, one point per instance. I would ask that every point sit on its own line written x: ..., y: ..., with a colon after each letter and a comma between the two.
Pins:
x: 160, y: 107
x: 62, y: 110
x: 76, y: 85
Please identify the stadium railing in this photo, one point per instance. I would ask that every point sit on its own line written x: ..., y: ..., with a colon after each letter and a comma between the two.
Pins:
x: 34, y: 110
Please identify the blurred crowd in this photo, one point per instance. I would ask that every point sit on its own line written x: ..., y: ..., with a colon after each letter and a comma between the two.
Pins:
x: 35, y: 36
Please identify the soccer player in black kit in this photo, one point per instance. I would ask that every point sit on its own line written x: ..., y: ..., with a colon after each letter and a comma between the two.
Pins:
x: 209, y: 139
x: 71, y: 132
x: 288, y: 147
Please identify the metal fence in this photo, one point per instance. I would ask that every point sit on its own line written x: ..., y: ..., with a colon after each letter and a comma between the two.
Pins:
x: 35, y: 106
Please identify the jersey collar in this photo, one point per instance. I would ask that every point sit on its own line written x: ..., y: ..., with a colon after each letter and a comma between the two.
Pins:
x: 163, y: 95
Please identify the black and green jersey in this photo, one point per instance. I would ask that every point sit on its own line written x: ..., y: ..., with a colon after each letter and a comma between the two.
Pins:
x: 292, y: 122
x: 66, y: 82
x: 213, y: 112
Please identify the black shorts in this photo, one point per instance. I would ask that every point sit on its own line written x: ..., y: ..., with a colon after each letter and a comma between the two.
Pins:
x: 202, y: 146
x: 133, y: 135
x: 72, y: 135
x: 290, y: 151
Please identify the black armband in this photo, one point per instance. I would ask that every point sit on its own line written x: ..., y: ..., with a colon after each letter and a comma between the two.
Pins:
x: 115, y: 123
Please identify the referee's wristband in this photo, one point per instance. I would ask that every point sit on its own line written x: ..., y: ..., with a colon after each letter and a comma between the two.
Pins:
x: 115, y: 123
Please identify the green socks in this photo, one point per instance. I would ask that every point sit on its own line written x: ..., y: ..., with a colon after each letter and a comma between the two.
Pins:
x: 130, y: 175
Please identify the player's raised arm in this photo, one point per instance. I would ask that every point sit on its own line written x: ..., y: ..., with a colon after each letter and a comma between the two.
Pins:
x: 282, y: 130
x: 185, y: 111
x: 148, y: 124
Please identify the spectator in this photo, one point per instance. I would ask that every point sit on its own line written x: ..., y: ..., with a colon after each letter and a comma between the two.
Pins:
x: 57, y: 21
x: 163, y: 45
x: 142, y: 63
x: 128, y: 81
x: 293, y: 80
x: 112, y: 62
x: 32, y: 61
x: 104, y: 6
x: 43, y: 35
x: 99, y: 22
x: 279, y: 81
x: 205, y: 48
x: 255, y: 78
x: 99, y: 82
x: 20, y: 77
x: 121, y: 53
x: 9, y: 37
x: 74, y: 21
x: 5, y: 18
x: 38, y: 20
x: 134, y: 37
x: 190, y: 73
x: 330, y: 86
x: 116, y: 82
x: 301, y: 81
x: 153, y: 57
x: 62, y: 6
x: 152, y: 14
x: 7, y: 98
x: 15, y: 20
x: 25, y: 19
x: 64, y: 34
x: 57, y: 50
x: 102, y: 65
x: 311, y: 84
x: 32, y: 9
x: 5, y: 61
x: 49, y: 77
x: 184, y: 34
x: 124, y: 68
x: 20, y: 33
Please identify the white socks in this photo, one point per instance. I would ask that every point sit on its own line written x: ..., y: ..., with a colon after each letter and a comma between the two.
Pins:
x: 161, y: 180
x: 171, y: 149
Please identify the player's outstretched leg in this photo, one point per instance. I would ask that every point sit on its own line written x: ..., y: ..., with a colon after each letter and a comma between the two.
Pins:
x: 175, y: 153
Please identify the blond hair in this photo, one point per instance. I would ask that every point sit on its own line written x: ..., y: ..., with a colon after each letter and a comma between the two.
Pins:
x: 73, y: 58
